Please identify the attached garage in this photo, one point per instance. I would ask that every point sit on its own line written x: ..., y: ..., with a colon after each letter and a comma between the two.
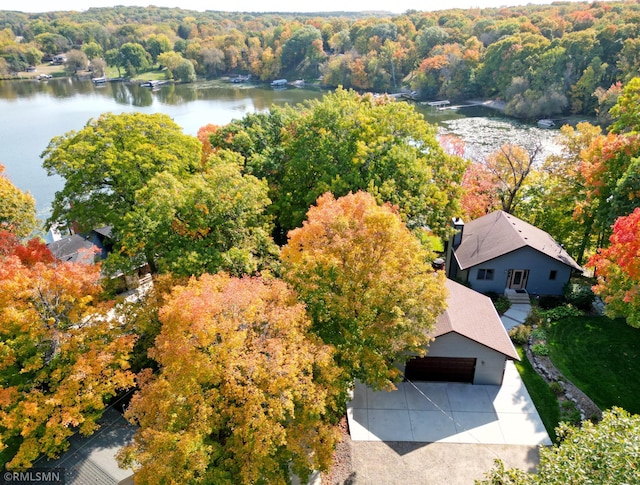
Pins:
x: 444, y: 369
x: 470, y: 343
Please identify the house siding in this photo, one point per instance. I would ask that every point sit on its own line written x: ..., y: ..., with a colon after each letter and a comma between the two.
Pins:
x: 539, y: 266
x: 489, y: 363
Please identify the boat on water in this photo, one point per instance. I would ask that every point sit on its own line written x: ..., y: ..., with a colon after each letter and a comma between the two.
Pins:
x: 279, y: 83
x: 99, y: 80
x: 546, y: 123
x: 240, y: 79
x: 152, y: 84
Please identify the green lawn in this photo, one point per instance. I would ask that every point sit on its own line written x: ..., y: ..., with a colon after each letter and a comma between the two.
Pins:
x: 544, y: 399
x: 600, y: 356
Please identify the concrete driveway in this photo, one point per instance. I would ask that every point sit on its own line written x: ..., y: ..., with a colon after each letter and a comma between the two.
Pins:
x: 435, y: 412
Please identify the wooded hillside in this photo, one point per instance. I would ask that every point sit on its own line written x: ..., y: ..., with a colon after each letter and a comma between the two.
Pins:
x: 541, y: 60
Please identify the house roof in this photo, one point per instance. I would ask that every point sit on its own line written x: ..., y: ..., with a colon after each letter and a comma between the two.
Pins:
x: 472, y: 315
x: 76, y: 249
x: 81, y: 248
x: 91, y: 459
x: 499, y: 233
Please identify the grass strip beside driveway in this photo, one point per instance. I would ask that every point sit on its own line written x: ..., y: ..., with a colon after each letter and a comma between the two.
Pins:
x: 543, y: 397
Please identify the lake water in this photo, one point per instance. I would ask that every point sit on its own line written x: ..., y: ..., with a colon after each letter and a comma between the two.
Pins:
x: 32, y: 113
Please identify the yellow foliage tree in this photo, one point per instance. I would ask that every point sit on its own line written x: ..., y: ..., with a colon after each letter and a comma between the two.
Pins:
x: 367, y: 282
x: 243, y: 392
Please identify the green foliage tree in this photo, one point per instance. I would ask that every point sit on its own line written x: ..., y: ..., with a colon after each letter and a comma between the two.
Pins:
x: 347, y: 142
x: 343, y: 143
x: 92, y: 50
x: 185, y: 71
x: 606, y: 452
x: 51, y: 43
x: 206, y: 222
x: 133, y: 58
x: 301, y: 46
x: 33, y: 56
x: 243, y: 393
x: 368, y: 284
x: 109, y: 160
x: 171, y: 61
x: 157, y: 44
x: 114, y: 58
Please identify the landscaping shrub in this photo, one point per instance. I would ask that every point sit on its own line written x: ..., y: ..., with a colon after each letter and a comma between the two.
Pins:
x: 520, y: 334
x: 539, y: 334
x: 502, y: 304
x: 548, y: 302
x: 556, y: 388
x: 559, y: 313
x: 569, y: 412
x: 534, y: 318
x: 540, y: 349
x: 579, y: 295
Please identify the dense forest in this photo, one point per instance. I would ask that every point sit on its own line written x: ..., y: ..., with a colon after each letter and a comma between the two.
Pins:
x: 541, y: 60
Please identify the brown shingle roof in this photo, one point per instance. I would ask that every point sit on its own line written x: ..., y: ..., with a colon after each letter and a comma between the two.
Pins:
x: 499, y: 233
x: 472, y: 315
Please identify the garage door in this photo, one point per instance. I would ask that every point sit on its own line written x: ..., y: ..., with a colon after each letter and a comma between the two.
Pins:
x: 447, y: 369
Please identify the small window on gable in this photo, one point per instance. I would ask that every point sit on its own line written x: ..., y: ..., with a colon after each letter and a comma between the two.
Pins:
x: 485, y: 274
x: 552, y: 274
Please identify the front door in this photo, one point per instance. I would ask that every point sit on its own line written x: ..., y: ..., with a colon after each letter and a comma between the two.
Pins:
x: 518, y: 279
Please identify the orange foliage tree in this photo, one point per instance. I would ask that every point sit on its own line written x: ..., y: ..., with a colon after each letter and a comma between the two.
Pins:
x: 203, y: 135
x: 611, y: 171
x: 480, y: 192
x: 59, y: 362
x: 618, y: 269
x: 367, y: 282
x: 243, y: 391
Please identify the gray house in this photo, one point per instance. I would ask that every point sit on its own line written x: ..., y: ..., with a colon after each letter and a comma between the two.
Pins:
x: 470, y: 343
x: 498, y: 252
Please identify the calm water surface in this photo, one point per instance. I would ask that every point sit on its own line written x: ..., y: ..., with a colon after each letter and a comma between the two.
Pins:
x: 32, y: 113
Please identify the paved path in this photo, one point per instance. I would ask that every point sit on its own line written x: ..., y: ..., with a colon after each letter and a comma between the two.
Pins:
x: 515, y: 315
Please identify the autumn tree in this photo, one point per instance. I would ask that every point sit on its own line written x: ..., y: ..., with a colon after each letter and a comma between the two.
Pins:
x: 61, y: 359
x: 18, y: 209
x: 243, y: 391
x: 606, y: 452
x: 610, y: 168
x: 618, y: 269
x: 109, y: 160
x: 553, y: 195
x: 626, y: 111
x: 367, y: 283
x: 204, y: 134
x: 510, y: 166
x: 480, y: 192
